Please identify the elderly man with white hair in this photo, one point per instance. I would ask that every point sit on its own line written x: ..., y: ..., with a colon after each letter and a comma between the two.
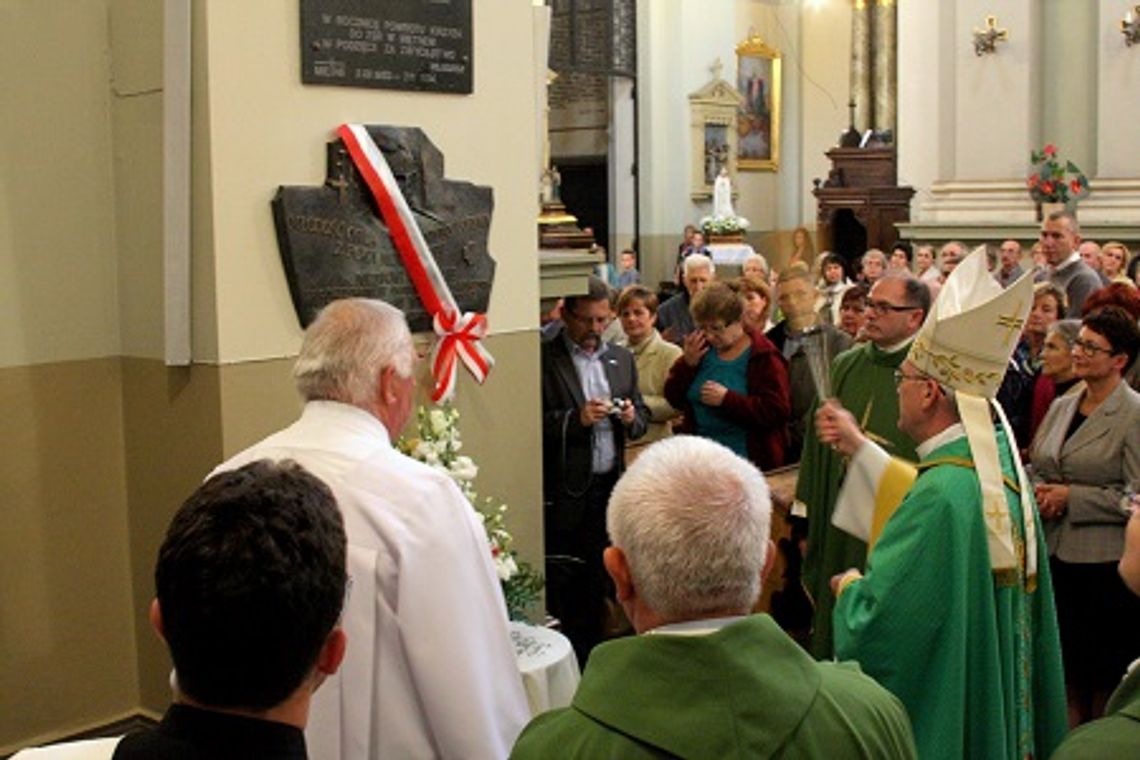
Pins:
x: 413, y: 684
x: 673, y: 318
x: 689, y: 524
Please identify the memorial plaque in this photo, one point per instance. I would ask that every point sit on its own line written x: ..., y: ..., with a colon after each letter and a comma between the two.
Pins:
x: 391, y: 45
x: 334, y: 243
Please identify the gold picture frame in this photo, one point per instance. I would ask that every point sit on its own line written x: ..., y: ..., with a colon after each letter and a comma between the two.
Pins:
x: 758, y: 120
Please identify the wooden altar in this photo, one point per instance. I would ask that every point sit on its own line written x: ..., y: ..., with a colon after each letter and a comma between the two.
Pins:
x: 860, y: 202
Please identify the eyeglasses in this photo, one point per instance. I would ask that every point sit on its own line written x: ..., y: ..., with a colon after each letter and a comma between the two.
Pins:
x: 1090, y: 348
x: 900, y: 376
x: 714, y: 328
x: 882, y: 307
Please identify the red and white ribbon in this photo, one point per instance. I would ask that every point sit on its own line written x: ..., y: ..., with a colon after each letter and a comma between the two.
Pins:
x: 459, y: 340
x: 459, y: 334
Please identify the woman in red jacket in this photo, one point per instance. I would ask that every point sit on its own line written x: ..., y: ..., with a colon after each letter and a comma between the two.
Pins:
x: 732, y: 386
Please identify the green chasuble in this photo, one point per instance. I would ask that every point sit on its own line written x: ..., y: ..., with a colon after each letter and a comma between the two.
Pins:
x: 1117, y: 734
x: 974, y: 656
x: 745, y: 691
x: 863, y: 381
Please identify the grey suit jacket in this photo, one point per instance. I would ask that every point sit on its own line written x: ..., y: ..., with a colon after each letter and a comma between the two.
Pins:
x: 1099, y: 461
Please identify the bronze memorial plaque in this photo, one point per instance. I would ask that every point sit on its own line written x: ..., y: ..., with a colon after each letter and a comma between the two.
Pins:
x: 393, y: 45
x: 334, y: 244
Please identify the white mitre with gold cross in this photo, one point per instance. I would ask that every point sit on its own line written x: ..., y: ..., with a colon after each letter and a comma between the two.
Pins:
x: 965, y: 344
x: 967, y: 339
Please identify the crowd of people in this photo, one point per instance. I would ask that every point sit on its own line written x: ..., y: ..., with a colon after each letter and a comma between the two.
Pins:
x: 760, y: 362
x: 968, y: 480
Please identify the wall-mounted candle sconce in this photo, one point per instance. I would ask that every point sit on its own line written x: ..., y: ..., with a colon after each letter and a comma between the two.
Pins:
x: 1130, y: 27
x: 986, y: 40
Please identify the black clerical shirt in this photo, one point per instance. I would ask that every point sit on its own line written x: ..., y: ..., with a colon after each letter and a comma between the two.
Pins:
x: 189, y: 733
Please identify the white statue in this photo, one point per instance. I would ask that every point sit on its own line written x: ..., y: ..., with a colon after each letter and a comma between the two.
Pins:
x: 722, y: 196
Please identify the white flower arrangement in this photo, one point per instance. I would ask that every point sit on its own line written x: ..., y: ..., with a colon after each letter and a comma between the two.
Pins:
x: 438, y: 446
x: 723, y: 225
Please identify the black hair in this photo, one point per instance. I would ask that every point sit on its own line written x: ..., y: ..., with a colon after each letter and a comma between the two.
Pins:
x: 596, y: 290
x: 917, y: 294
x: 1118, y: 327
x: 250, y: 580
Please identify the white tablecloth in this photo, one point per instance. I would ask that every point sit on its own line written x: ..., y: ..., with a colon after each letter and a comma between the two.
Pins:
x: 730, y: 253
x: 88, y: 749
x: 548, y: 666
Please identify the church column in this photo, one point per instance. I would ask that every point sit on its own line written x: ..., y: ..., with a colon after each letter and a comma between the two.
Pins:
x: 861, y: 64
x: 884, y: 69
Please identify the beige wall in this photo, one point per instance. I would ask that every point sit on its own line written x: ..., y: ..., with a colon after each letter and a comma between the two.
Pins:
x: 173, y: 437
x: 57, y: 262
x: 66, y: 636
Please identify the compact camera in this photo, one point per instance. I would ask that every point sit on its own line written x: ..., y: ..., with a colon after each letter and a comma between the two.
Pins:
x: 616, y: 406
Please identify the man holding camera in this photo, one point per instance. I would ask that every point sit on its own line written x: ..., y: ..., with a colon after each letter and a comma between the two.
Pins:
x: 590, y: 405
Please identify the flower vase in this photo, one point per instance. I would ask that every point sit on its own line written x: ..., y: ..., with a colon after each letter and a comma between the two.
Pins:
x: 1045, y: 209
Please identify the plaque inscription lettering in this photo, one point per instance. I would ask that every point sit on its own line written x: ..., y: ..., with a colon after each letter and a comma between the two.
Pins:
x: 395, y: 45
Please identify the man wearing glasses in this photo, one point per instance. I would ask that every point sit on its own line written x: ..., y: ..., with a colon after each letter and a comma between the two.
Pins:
x: 861, y: 379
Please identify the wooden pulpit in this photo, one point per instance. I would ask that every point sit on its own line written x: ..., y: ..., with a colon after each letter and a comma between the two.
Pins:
x: 860, y: 202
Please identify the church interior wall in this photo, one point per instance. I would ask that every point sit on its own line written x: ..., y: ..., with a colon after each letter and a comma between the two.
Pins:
x: 487, y: 137
x: 679, y: 42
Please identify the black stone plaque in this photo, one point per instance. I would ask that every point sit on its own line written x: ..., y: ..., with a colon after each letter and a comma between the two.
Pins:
x: 387, y: 44
x: 334, y: 244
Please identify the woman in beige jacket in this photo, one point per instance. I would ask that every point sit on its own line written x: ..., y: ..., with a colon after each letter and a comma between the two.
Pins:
x: 637, y: 309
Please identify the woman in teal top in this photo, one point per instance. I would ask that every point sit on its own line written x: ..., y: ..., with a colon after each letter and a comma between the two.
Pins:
x: 732, y: 386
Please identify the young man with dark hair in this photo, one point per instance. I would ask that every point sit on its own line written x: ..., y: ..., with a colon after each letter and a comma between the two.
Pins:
x: 250, y: 584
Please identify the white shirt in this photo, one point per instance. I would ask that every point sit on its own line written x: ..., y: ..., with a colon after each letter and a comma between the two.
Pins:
x: 430, y: 670
x: 592, y: 376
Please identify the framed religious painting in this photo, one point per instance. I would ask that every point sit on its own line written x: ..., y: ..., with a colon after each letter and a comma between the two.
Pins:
x: 758, y: 119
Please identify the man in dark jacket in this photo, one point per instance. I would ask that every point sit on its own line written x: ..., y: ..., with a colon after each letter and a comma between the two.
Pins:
x: 590, y: 405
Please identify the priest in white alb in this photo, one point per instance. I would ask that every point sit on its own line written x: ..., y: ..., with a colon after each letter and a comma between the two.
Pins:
x: 430, y: 670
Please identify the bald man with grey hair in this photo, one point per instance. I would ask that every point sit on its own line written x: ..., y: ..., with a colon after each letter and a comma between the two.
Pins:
x: 417, y: 554
x: 689, y: 523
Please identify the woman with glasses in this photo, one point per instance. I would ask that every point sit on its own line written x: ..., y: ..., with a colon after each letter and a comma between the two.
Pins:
x: 1086, y: 458
x: 731, y: 386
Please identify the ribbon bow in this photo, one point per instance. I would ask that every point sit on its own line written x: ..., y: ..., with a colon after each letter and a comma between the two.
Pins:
x: 459, y: 339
